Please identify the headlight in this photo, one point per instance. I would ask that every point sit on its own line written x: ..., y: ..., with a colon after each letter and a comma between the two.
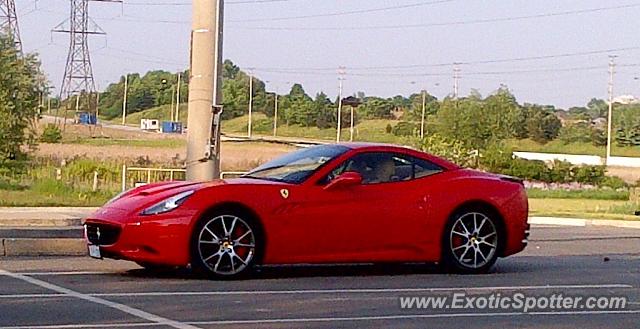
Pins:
x: 167, y: 204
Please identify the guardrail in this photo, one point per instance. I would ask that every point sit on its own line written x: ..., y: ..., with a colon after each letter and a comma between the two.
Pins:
x: 143, y: 175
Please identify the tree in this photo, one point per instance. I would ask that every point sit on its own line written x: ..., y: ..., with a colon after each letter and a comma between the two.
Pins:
x: 21, y: 83
x: 479, y: 122
x: 538, y: 123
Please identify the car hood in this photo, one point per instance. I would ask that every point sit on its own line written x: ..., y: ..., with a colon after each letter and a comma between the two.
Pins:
x: 150, y: 194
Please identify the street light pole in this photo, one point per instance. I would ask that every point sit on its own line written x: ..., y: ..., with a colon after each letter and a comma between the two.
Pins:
x: 275, y: 114
x: 205, y: 91
x: 178, y: 98
x: 351, y: 128
x: 340, y: 79
x: 124, y: 99
x: 250, y: 102
x: 424, y: 105
x: 610, y: 114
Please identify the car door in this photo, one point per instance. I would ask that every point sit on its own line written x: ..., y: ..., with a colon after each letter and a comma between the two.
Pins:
x: 382, y: 219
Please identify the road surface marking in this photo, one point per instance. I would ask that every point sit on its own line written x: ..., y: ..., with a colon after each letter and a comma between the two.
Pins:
x: 411, y: 317
x: 323, y: 291
x: 123, y: 308
x: 344, y: 319
x: 358, y: 291
x: 63, y: 273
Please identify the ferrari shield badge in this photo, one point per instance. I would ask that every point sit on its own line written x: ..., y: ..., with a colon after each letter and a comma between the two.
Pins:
x: 284, y: 192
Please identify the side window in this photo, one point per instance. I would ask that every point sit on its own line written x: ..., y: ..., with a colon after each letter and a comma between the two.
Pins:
x: 423, y: 168
x: 384, y: 167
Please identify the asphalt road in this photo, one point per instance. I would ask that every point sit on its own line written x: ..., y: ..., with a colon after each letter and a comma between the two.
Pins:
x: 572, y: 261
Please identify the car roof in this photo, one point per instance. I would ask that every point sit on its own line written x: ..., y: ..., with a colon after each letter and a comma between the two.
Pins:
x: 360, y: 145
x: 392, y: 147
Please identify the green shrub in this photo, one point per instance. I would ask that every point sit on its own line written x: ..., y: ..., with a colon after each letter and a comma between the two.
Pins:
x: 404, y: 128
x: 50, y: 186
x: 594, y: 194
x: 51, y: 134
x: 452, y: 150
x: 589, y: 174
x: 613, y: 182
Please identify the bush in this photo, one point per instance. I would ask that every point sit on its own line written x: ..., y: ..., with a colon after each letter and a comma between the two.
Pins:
x: 613, y: 182
x: 452, y: 150
x: 51, y: 134
x: 404, y: 128
x: 589, y: 174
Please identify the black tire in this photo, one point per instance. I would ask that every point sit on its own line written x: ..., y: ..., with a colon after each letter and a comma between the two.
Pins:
x: 226, y: 245
x: 460, y: 239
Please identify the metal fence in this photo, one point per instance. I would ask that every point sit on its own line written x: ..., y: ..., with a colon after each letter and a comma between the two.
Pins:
x: 137, y: 176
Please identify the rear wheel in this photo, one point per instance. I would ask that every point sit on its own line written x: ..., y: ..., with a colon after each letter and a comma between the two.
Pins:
x: 224, y: 245
x: 471, y: 241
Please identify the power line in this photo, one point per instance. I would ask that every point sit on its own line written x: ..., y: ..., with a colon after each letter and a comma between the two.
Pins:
x: 453, y: 23
x: 477, y: 62
x: 240, y: 2
x: 345, y: 13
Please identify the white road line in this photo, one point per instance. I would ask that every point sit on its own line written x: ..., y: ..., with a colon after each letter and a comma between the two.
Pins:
x: 345, y: 319
x: 82, y: 326
x: 411, y: 317
x: 121, y: 307
x: 63, y: 273
x: 324, y: 291
x: 358, y: 291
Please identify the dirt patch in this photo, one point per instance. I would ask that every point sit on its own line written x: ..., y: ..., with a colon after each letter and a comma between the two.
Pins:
x: 235, y: 156
x: 629, y: 174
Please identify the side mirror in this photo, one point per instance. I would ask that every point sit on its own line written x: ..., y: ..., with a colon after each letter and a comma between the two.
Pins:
x: 346, y: 179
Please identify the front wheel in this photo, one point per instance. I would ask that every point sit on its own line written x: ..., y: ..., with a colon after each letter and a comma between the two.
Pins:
x: 471, y: 241
x: 224, y: 245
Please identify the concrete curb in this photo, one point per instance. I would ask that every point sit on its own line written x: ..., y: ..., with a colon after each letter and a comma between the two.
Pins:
x: 584, y: 222
x: 34, y: 222
x: 43, y: 247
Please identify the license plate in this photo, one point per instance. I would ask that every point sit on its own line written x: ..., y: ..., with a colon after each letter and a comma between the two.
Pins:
x: 94, y: 251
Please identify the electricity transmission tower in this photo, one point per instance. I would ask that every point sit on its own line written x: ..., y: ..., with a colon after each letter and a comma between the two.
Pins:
x: 78, y: 73
x: 9, y: 21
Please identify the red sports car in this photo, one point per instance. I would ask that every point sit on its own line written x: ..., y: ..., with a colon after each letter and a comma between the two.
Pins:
x: 341, y: 203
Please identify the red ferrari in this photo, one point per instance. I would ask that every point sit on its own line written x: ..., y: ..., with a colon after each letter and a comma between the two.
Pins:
x: 341, y: 203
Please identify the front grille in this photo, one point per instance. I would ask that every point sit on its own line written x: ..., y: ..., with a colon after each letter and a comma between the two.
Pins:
x: 101, y: 234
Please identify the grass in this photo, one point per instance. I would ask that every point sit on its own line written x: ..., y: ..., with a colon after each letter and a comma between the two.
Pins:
x: 557, y: 146
x: 368, y: 130
x: 596, y: 194
x: 160, y: 142
x: 583, y: 208
x: 52, y: 193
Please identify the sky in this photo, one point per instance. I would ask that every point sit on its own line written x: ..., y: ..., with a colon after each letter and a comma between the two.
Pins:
x: 545, y: 51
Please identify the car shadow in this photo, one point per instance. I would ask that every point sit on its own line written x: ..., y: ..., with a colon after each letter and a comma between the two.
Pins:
x: 308, y: 271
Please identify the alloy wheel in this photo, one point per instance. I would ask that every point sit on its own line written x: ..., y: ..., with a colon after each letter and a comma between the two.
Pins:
x: 226, y: 245
x: 473, y: 240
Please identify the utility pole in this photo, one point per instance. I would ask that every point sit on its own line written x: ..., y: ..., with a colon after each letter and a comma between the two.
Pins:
x: 275, y: 114
x: 424, y: 105
x: 173, y: 103
x: 178, y: 98
x: 97, y: 105
x: 456, y: 78
x: 351, y: 125
x: 250, y: 102
x: 610, y: 114
x: 124, y: 98
x: 9, y: 22
x: 341, y: 72
x: 205, y: 91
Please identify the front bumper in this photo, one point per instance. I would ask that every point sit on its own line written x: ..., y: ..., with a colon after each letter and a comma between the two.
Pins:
x: 159, y: 239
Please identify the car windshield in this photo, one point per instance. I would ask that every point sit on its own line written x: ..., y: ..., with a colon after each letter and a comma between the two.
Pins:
x: 296, y: 167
